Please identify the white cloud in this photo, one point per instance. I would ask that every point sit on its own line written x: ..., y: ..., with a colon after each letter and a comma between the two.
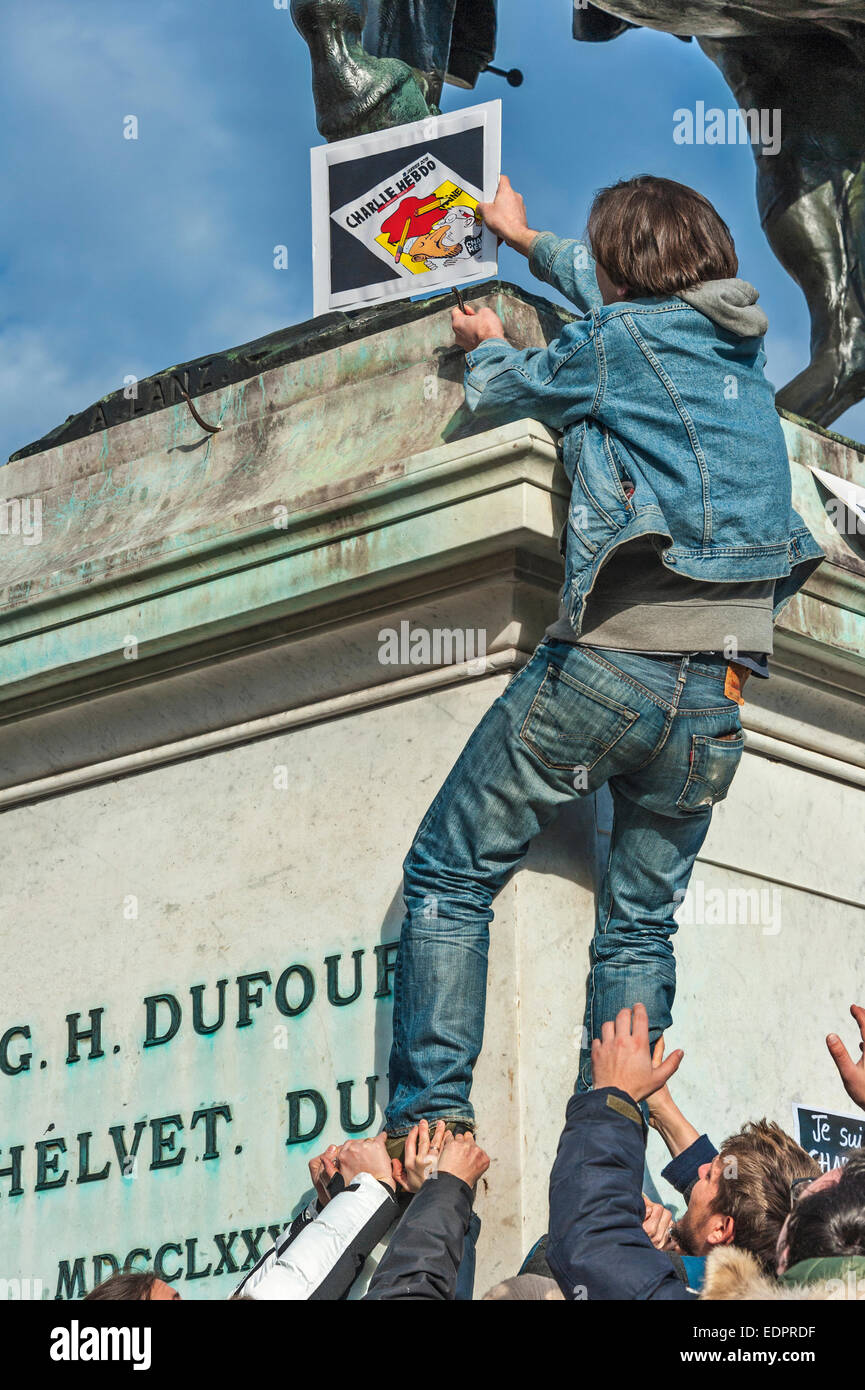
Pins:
x: 39, y: 387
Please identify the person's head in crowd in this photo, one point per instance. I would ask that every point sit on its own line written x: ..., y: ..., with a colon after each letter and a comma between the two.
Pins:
x: 532, y: 1287
x: 742, y: 1197
x: 134, y: 1287
x: 827, y: 1219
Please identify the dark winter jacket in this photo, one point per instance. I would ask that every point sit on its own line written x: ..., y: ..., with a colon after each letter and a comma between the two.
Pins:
x: 597, y: 1246
x: 423, y: 1258
x: 681, y: 1172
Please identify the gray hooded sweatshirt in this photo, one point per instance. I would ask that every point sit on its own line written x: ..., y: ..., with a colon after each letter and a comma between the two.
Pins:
x: 732, y: 304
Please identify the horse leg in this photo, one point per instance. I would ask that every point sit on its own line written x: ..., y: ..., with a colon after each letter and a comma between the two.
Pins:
x: 355, y: 92
x: 811, y: 196
x: 812, y: 240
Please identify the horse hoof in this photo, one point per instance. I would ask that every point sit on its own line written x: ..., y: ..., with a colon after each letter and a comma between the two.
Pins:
x: 829, y: 385
x: 354, y: 92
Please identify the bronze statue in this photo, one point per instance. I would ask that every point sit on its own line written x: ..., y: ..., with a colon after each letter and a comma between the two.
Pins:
x: 811, y: 194
x: 378, y: 63
x: 383, y: 63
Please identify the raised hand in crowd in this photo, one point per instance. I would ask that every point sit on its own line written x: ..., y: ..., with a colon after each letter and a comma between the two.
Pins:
x: 657, y: 1223
x: 421, y: 1158
x: 852, y: 1073
x: 321, y: 1169
x: 621, y: 1057
x: 463, y: 1157
x: 366, y: 1156
x: 665, y: 1116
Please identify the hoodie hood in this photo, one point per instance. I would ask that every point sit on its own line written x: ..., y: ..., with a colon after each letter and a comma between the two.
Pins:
x: 732, y: 304
x: 735, y: 1275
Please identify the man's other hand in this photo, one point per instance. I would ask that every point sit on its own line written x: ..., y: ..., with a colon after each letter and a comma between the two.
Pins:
x: 851, y: 1073
x: 621, y: 1056
x: 366, y: 1156
x: 506, y: 217
x: 657, y: 1223
x: 463, y: 1157
x: 321, y: 1170
x: 665, y: 1116
x: 661, y: 1102
x: 421, y: 1157
x: 475, y: 326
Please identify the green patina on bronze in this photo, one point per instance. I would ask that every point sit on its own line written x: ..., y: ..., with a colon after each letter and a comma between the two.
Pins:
x: 287, y: 345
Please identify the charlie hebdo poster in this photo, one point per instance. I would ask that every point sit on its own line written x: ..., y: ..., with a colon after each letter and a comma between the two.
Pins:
x: 394, y: 213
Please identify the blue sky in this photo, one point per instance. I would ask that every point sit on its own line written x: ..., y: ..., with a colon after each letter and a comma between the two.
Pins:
x: 123, y: 257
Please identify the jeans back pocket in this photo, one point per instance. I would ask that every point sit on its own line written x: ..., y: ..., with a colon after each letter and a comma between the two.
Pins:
x: 713, y: 766
x: 570, y: 724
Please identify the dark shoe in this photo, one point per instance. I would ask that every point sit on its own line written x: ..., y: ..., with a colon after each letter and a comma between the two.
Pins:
x: 395, y: 1143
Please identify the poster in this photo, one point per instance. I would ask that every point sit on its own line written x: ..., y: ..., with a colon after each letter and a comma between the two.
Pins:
x: 394, y: 213
x: 829, y: 1136
x: 850, y: 493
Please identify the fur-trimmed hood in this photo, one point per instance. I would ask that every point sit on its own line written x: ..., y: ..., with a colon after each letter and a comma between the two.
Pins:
x: 733, y: 1275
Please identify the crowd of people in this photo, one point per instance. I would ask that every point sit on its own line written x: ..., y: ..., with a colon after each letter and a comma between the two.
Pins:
x: 761, y: 1219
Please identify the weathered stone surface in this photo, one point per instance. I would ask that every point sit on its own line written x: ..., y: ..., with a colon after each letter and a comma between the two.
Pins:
x: 238, y: 797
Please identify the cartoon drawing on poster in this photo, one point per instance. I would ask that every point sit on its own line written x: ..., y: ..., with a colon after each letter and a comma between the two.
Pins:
x: 831, y: 1137
x: 436, y: 223
x: 395, y: 213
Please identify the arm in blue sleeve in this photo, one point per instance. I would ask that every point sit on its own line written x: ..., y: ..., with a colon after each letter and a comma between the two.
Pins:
x: 597, y: 1246
x: 558, y: 384
x: 682, y: 1171
x: 569, y: 267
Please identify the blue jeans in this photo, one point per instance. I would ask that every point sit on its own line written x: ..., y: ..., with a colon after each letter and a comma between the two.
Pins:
x: 662, y: 733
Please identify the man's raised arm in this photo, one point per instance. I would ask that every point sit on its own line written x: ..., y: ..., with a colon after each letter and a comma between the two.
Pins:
x: 597, y: 1247
x: 558, y: 384
x: 564, y: 263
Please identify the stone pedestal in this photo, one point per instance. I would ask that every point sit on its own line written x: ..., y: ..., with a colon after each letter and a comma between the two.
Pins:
x: 210, y: 776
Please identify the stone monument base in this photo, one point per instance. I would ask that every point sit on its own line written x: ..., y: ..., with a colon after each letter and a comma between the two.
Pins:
x: 236, y: 671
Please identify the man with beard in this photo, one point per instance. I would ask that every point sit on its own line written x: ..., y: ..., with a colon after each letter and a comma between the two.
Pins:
x: 740, y: 1196
x: 598, y: 1247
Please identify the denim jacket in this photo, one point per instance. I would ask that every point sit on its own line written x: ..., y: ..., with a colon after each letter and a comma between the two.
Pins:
x: 670, y: 429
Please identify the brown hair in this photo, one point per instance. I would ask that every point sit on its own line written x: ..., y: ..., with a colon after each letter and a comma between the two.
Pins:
x: 657, y: 236
x: 132, y: 1287
x: 759, y: 1165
